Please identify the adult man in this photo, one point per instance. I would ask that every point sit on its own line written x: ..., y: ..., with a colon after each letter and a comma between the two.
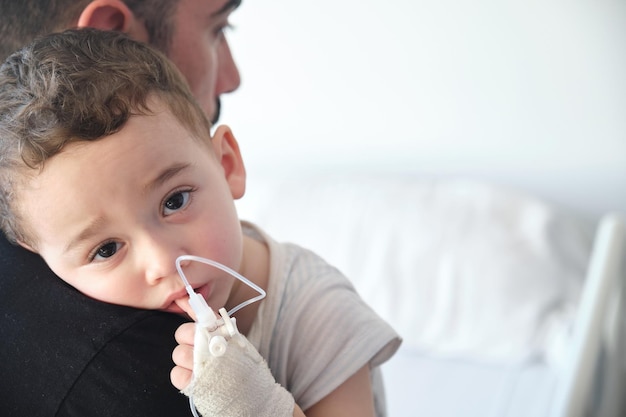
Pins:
x: 63, y: 354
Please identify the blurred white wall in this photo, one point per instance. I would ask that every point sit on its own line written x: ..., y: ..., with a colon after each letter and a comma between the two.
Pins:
x: 530, y: 93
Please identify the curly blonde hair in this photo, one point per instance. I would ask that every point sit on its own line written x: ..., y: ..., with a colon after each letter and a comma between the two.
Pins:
x: 78, y: 85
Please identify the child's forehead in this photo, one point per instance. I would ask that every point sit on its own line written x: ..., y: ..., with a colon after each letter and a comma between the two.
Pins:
x: 145, y: 143
x: 164, y: 105
x: 156, y: 129
x: 153, y: 128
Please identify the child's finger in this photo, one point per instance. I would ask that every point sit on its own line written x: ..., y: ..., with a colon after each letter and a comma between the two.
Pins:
x: 180, y: 377
x: 185, y: 334
x: 183, y: 303
x: 182, y: 355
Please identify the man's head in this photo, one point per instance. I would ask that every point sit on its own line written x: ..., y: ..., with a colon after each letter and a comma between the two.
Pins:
x: 189, y: 32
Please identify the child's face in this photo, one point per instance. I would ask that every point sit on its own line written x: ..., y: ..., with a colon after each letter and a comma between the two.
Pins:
x: 110, y: 217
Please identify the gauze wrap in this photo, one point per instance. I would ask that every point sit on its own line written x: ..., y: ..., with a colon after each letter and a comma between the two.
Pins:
x: 237, y: 384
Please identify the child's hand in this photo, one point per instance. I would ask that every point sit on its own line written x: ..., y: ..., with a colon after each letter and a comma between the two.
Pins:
x: 183, y: 356
x: 236, y: 383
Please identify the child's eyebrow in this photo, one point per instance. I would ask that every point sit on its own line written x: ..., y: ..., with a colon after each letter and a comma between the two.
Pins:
x: 165, y: 175
x: 91, y: 229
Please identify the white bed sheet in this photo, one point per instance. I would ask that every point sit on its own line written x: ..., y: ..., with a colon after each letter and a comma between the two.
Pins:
x: 418, y: 384
x: 588, y: 380
x: 442, y: 260
x: 483, y: 283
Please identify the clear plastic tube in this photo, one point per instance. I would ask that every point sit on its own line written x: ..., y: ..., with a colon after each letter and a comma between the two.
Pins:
x: 225, y: 269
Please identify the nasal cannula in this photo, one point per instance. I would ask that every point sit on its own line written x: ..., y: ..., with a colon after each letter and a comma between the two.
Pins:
x: 206, y: 318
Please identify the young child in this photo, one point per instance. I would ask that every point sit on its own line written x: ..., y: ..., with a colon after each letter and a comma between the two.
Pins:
x: 109, y: 172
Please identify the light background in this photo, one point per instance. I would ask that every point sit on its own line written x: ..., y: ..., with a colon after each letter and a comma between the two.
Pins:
x: 529, y: 93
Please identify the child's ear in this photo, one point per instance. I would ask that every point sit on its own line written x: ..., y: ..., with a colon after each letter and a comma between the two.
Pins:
x: 227, y: 152
x: 112, y: 15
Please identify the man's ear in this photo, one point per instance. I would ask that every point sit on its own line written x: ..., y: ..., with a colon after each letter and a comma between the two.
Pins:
x: 227, y: 152
x: 112, y: 15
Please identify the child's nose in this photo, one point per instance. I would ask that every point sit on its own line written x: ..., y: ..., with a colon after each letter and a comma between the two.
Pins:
x: 159, y: 257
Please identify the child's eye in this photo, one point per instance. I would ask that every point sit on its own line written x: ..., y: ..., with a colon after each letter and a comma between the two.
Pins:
x: 175, y: 202
x: 106, y: 251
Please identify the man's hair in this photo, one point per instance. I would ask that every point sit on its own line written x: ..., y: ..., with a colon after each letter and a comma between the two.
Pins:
x: 78, y: 85
x: 21, y: 21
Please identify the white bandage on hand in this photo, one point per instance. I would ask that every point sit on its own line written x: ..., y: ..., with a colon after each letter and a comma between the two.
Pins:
x: 237, y: 384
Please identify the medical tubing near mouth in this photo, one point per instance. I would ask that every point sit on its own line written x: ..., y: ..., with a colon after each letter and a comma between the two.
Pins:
x: 206, y: 318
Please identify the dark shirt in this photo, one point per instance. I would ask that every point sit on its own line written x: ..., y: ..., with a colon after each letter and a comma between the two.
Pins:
x: 64, y: 354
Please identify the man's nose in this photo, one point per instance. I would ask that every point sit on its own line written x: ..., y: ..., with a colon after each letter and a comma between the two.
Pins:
x: 228, y: 77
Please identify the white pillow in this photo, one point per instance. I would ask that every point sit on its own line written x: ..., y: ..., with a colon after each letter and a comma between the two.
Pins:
x: 459, y: 268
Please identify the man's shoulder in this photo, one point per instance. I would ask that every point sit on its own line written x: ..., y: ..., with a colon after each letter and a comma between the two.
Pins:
x: 51, y: 334
x: 33, y: 296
